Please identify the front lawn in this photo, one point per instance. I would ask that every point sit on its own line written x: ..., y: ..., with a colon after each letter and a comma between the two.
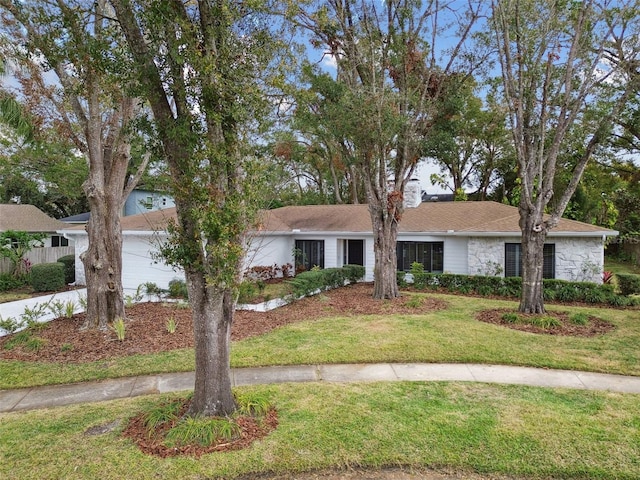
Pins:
x: 491, y: 430
x: 449, y: 335
x: 485, y: 431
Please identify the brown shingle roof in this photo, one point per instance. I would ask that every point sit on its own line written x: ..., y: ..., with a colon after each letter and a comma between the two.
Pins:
x: 429, y: 217
x: 27, y: 218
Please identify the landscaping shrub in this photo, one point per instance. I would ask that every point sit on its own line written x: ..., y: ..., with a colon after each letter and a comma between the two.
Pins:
x: 178, y: 289
x: 628, y: 283
x: 353, y: 273
x: 47, y: 277
x: 305, y: 283
x: 560, y: 290
x: 8, y: 282
x: 69, y: 262
x: 247, y: 291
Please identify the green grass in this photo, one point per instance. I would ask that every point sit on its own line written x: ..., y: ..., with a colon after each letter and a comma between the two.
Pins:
x: 617, y: 266
x: 491, y: 429
x: 12, y: 296
x: 451, y: 335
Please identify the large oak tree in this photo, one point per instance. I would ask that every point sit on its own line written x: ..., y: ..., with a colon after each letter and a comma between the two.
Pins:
x: 396, y: 61
x: 70, y: 73
x: 565, y: 73
x: 201, y: 65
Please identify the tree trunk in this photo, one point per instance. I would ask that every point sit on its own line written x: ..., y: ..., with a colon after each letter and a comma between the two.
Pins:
x: 532, y: 251
x: 103, y: 265
x: 385, y: 232
x: 212, y: 318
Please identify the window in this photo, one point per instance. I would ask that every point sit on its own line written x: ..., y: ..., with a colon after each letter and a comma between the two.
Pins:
x: 513, y: 260
x: 59, y: 241
x: 309, y: 254
x: 148, y: 203
x: 429, y: 254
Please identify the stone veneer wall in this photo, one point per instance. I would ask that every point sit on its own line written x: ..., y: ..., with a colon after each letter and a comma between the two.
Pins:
x: 577, y: 259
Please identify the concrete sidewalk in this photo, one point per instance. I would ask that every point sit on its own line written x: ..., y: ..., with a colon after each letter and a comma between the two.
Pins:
x: 59, y: 395
x: 17, y: 308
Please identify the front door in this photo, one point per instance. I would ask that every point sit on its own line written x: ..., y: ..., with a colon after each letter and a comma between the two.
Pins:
x: 353, y: 252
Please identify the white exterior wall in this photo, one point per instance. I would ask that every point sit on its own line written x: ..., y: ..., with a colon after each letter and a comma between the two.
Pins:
x: 580, y: 259
x: 455, y: 255
x: 369, y: 260
x: 331, y: 258
x: 139, y: 267
x: 81, y: 241
x: 267, y: 251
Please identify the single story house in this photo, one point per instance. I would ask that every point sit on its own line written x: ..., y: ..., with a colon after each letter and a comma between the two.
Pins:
x: 29, y: 218
x: 476, y: 238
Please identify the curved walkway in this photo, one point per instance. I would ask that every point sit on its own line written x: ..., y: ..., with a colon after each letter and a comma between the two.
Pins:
x: 59, y: 395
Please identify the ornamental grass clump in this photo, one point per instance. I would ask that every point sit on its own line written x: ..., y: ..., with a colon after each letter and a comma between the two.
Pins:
x: 119, y: 328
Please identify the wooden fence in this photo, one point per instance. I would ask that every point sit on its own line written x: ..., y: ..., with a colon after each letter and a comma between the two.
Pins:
x: 39, y: 255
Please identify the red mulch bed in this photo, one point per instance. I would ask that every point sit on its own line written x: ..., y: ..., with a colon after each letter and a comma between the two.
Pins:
x: 595, y: 326
x: 251, y: 429
x: 146, y: 331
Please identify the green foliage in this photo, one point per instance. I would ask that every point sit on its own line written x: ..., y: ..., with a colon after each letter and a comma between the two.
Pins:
x: 628, y: 284
x: 119, y: 328
x: 69, y: 262
x: 247, y: 291
x: 161, y: 414
x: 14, y: 245
x: 543, y: 321
x: 34, y: 344
x: 415, y: 301
x: 178, y: 289
x: 353, y: 273
x: 202, y: 431
x: 306, y: 283
x: 20, y: 338
x: 82, y: 300
x: 171, y: 325
x: 47, y: 277
x: 579, y: 318
x: 253, y: 403
x: 559, y: 290
x: 8, y: 281
x: 151, y: 290
x: 32, y: 315
x: 9, y: 324
x: 510, y: 317
x: 61, y: 309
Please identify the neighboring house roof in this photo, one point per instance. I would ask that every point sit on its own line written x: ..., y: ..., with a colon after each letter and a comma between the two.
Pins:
x: 27, y: 218
x: 448, y: 218
x: 79, y: 218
